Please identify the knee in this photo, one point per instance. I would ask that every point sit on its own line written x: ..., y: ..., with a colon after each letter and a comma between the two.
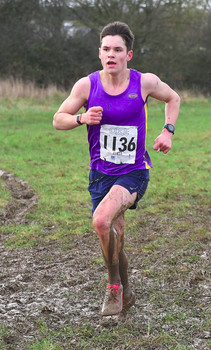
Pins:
x: 101, y: 225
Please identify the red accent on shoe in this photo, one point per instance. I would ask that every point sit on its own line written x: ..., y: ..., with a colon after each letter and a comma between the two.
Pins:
x: 114, y: 286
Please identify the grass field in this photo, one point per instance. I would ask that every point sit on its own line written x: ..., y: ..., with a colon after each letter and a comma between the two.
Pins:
x: 170, y: 231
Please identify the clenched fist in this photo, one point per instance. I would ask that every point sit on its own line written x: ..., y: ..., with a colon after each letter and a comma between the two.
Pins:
x: 93, y: 116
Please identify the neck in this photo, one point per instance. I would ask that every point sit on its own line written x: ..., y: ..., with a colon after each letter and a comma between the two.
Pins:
x: 115, y: 84
x: 115, y: 79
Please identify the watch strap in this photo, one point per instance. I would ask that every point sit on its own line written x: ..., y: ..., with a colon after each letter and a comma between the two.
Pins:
x: 78, y: 119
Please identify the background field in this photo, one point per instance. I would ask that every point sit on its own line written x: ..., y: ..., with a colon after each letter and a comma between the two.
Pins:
x: 167, y: 237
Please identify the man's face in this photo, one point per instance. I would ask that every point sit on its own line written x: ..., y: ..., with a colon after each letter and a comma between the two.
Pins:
x: 113, y: 54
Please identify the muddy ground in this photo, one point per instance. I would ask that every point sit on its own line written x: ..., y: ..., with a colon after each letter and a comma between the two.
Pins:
x: 49, y: 288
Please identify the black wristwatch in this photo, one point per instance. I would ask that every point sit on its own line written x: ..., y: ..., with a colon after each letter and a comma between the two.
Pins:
x: 78, y: 119
x: 169, y: 127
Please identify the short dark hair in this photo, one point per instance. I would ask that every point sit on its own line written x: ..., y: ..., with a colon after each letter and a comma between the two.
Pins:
x: 119, y: 28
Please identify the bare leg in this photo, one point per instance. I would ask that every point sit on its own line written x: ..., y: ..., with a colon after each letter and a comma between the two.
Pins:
x: 112, y: 262
x: 108, y: 216
x: 123, y: 269
x: 123, y: 261
x: 108, y: 221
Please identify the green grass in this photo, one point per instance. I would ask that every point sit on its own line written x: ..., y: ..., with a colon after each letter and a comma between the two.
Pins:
x: 56, y: 166
x: 115, y: 338
x: 180, y: 180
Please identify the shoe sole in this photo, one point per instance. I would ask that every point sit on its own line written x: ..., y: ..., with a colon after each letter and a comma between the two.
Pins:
x: 110, y: 313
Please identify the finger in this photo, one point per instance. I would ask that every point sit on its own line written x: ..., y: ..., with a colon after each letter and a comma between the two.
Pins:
x: 96, y: 119
x: 157, y: 149
x: 157, y: 146
x: 166, y: 150
x: 98, y: 116
x: 97, y: 108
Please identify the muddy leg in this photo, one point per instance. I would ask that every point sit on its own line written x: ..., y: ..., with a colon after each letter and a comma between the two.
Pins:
x: 113, y: 258
x: 128, y: 295
x: 123, y: 269
x: 123, y: 261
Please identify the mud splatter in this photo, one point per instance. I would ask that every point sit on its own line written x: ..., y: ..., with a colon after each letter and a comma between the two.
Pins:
x: 23, y: 200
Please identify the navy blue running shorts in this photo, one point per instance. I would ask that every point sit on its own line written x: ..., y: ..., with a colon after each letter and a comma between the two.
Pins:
x: 100, y: 184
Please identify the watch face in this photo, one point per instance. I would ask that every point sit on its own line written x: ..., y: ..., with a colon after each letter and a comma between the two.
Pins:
x: 169, y: 127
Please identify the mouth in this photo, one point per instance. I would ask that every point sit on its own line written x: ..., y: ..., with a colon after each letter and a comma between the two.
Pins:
x: 111, y: 63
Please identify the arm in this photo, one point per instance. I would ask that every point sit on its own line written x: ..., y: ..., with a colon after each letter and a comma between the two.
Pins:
x: 65, y: 118
x: 154, y: 87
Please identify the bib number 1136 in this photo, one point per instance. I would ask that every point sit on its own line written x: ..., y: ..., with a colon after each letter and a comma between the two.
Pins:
x: 118, y: 143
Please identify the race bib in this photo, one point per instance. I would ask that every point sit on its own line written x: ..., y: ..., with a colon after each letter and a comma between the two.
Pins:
x: 118, y: 143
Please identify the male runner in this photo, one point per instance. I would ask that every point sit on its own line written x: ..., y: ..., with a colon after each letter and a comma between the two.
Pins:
x: 115, y: 99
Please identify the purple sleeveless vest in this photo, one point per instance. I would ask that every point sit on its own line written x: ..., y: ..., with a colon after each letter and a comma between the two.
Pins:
x: 118, y: 144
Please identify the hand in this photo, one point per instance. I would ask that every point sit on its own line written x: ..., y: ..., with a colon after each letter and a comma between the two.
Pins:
x: 93, y: 116
x: 163, y: 142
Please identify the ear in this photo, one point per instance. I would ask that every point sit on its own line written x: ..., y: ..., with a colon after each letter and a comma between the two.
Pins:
x: 129, y: 55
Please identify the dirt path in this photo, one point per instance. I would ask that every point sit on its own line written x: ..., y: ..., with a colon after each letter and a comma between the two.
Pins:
x: 49, y: 288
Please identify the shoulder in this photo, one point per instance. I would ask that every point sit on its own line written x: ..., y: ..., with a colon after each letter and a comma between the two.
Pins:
x: 150, y: 83
x: 153, y: 86
x: 149, y: 80
x: 82, y: 87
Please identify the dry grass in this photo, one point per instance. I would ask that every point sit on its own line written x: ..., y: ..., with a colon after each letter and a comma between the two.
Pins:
x: 188, y: 96
x: 17, y: 88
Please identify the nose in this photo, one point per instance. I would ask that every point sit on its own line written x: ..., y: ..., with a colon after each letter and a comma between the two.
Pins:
x: 111, y: 53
